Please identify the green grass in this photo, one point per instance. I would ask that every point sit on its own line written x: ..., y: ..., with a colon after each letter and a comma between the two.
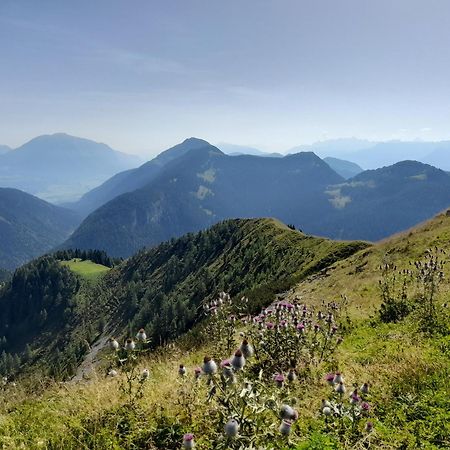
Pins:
x: 87, y: 269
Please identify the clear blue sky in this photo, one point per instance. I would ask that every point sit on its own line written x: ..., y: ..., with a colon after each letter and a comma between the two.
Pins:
x: 142, y: 75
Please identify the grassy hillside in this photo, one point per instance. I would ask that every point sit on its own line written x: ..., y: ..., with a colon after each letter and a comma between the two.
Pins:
x: 405, y: 364
x: 87, y: 269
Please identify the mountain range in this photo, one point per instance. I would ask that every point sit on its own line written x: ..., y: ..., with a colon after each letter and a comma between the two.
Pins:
x: 30, y: 227
x: 373, y: 155
x: 200, y: 186
x: 203, y: 187
x: 59, y: 167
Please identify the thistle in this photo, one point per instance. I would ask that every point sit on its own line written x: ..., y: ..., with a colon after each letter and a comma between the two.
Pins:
x: 330, y: 379
x: 247, y: 349
x: 112, y: 373
x: 113, y: 344
x: 365, y: 388
x: 197, y: 373
x: 141, y: 336
x: 188, y: 441
x: 288, y: 413
x: 340, y: 388
x: 182, y: 370
x: 285, y: 427
x: 232, y: 428
x: 145, y: 374
x: 292, y: 376
x: 130, y: 345
x: 209, y: 366
x: 238, y: 360
x: 279, y: 379
x: 338, y: 378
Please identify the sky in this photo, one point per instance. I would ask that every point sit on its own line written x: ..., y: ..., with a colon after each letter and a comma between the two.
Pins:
x: 143, y: 75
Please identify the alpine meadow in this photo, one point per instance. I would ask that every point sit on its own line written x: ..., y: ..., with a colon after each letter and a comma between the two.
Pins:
x: 224, y: 225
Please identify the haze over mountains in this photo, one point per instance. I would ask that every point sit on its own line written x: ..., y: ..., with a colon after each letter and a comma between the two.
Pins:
x: 373, y: 155
x: 194, y: 185
x: 30, y: 227
x: 201, y: 186
x: 59, y: 167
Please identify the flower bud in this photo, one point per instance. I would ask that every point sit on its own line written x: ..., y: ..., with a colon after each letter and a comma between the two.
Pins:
x: 209, y: 366
x: 340, y: 388
x: 188, y: 441
x: 247, y: 349
x: 112, y: 373
x: 141, y: 336
x: 145, y: 374
x: 285, y: 427
x: 279, y: 379
x: 197, y: 372
x: 369, y: 427
x: 238, y: 360
x: 113, y: 344
x: 338, y: 378
x: 292, y: 376
x: 327, y: 411
x: 365, y: 388
x: 232, y: 428
x: 182, y: 370
x: 130, y: 345
x: 288, y: 413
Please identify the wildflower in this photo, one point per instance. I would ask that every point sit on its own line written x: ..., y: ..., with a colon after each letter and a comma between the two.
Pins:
x: 338, y: 378
x: 365, y: 407
x: 288, y: 413
x: 279, y: 379
x: 130, y: 345
x: 325, y: 403
x: 145, y: 374
x: 340, y: 388
x: 285, y: 427
x: 301, y: 327
x: 292, y: 376
x: 270, y: 325
x: 197, y: 372
x: 232, y: 428
x: 327, y: 411
x: 188, y: 441
x: 330, y: 379
x: 209, y: 366
x: 339, y: 340
x: 113, y: 344
x: 141, y: 336
x: 238, y: 360
x: 365, y: 388
x: 247, y: 349
x: 182, y: 370
x: 355, y: 398
x: 112, y: 373
x: 369, y: 427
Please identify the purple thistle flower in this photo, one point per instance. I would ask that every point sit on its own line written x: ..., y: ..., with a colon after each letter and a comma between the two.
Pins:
x: 279, y: 379
x: 330, y: 379
x: 365, y: 407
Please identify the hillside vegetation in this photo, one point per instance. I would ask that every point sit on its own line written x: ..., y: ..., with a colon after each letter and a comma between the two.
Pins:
x: 161, y: 288
x: 329, y: 321
x: 30, y: 227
